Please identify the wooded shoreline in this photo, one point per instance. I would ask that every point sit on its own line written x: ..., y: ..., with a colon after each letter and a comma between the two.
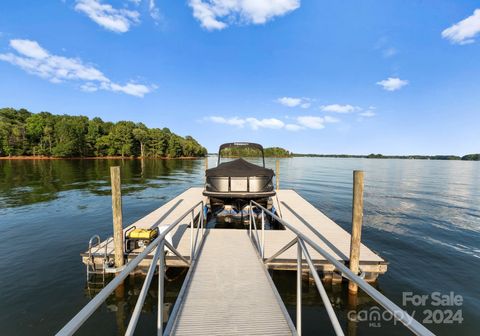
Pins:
x: 27, y: 134
x: 30, y: 157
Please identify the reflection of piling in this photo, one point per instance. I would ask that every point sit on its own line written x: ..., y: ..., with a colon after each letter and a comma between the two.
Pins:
x: 357, y: 219
x: 117, y: 215
x: 120, y: 313
x: 352, y: 314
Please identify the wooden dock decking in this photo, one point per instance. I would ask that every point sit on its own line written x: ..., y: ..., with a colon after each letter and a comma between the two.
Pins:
x: 294, y: 210
x: 229, y: 291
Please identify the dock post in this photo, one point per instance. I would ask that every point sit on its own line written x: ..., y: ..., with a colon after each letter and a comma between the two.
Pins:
x: 117, y: 215
x: 277, y: 173
x: 357, y: 220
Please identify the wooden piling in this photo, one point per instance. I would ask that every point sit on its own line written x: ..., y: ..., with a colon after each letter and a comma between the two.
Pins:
x: 357, y: 220
x: 277, y: 174
x: 117, y: 215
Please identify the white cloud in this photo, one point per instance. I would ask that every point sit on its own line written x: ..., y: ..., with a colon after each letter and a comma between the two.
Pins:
x: 212, y: 14
x: 289, y: 101
x: 133, y: 89
x: 34, y: 59
x: 367, y: 114
x: 253, y: 123
x: 265, y: 123
x: 294, y: 102
x: 306, y: 105
x: 89, y: 87
x: 154, y: 11
x: 293, y: 127
x: 392, y: 83
x: 301, y: 122
x: 464, y: 31
x: 117, y: 20
x: 329, y: 119
x: 311, y: 122
x: 338, y: 108
x: 231, y: 121
x: 29, y: 48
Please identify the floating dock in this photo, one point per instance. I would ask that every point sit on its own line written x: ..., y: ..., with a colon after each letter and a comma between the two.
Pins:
x: 292, y: 207
x: 228, y: 289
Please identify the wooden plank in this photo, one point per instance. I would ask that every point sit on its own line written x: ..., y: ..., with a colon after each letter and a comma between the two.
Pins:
x: 229, y: 292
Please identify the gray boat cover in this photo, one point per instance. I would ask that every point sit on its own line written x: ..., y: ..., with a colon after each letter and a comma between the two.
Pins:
x: 239, y: 168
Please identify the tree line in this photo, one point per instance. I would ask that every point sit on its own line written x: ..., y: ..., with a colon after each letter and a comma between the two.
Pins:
x: 253, y: 152
x: 23, y: 133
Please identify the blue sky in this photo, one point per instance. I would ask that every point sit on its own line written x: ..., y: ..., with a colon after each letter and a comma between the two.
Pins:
x: 356, y: 77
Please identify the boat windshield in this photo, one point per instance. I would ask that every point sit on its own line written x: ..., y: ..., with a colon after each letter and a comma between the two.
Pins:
x: 241, y: 149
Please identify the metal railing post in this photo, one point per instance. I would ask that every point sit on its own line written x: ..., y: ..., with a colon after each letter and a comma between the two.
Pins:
x: 299, y: 288
x: 161, y: 275
x: 191, y: 235
x: 250, y: 221
x: 201, y: 220
x: 263, y: 234
x: 143, y: 293
x: 321, y: 289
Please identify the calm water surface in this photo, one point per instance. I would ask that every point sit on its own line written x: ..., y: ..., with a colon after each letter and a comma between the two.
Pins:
x: 422, y: 216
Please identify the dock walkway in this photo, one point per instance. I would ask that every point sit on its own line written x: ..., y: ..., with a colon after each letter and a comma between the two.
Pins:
x: 230, y: 292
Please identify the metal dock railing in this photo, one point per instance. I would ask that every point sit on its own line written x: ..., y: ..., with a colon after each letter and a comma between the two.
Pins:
x: 227, y: 272
x: 159, y: 243
x: 302, y: 251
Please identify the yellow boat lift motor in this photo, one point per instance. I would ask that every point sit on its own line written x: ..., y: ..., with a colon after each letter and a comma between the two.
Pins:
x: 137, y: 239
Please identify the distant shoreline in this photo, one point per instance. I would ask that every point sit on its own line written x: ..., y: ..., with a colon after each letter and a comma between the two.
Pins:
x: 30, y: 157
x: 468, y: 157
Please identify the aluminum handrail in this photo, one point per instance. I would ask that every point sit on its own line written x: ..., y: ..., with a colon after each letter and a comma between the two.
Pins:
x: 255, y: 237
x: 398, y: 313
x: 77, y: 321
x: 321, y: 289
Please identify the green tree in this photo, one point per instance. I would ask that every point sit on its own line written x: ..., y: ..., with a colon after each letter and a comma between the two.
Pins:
x: 26, y: 133
x: 140, y: 133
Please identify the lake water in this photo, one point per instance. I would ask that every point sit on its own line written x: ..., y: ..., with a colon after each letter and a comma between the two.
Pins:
x: 422, y: 216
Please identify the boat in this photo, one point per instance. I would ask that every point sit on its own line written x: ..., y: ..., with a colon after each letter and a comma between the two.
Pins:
x: 231, y: 185
x: 239, y: 179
